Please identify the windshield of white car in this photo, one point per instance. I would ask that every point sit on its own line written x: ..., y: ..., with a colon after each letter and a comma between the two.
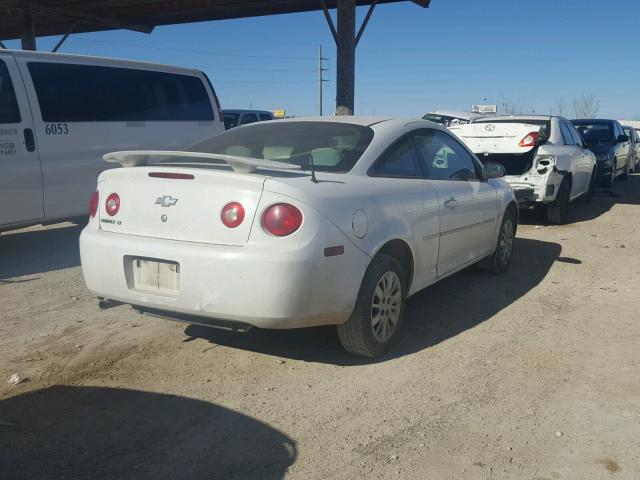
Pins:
x: 331, y: 146
x: 596, y: 133
x: 545, y: 124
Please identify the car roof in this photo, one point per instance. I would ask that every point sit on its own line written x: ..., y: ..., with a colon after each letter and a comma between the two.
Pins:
x: 355, y: 120
x: 593, y: 120
x: 455, y: 113
x: 237, y: 110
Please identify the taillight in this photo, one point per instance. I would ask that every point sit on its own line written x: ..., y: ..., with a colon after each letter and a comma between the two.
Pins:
x: 112, y: 205
x: 93, y: 203
x: 530, y: 140
x: 281, y: 219
x: 232, y: 214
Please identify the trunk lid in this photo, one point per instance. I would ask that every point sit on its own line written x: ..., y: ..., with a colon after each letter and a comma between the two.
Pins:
x: 185, y: 209
x: 496, y: 137
x: 500, y: 143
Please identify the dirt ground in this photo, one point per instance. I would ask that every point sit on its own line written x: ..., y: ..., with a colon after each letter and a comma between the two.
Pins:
x: 531, y: 375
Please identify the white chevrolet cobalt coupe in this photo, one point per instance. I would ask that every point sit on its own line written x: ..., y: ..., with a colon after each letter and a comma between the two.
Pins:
x: 296, y: 223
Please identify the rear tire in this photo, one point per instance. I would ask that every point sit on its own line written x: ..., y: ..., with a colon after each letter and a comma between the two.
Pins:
x: 586, y: 197
x: 379, y: 310
x: 558, y: 211
x: 500, y: 260
x: 627, y: 168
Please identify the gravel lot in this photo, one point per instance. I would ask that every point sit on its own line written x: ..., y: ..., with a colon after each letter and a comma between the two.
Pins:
x: 534, y: 374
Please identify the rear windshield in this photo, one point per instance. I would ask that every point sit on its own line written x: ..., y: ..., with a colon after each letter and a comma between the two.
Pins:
x: 331, y: 146
x: 545, y: 124
x: 595, y: 132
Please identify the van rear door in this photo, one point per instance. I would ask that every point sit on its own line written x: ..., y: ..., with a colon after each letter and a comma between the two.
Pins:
x: 20, y: 169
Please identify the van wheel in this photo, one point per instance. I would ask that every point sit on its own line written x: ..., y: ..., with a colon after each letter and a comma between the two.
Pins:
x: 558, y: 211
x: 377, y: 316
x: 500, y: 260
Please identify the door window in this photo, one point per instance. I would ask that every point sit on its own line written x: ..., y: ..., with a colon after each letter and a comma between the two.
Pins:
x: 248, y: 118
x: 566, y: 134
x: 264, y: 117
x: 443, y: 157
x: 9, y: 111
x: 401, y: 160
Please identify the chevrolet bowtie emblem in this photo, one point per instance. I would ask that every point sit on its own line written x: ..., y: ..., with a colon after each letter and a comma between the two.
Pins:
x: 166, y: 201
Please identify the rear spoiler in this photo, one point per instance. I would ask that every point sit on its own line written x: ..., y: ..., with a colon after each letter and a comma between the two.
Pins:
x: 138, y: 158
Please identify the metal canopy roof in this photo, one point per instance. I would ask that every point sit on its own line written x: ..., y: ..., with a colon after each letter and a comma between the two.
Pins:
x: 58, y: 17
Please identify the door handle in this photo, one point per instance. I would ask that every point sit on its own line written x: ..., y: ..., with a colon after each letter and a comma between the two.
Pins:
x: 451, y: 203
x: 29, y: 140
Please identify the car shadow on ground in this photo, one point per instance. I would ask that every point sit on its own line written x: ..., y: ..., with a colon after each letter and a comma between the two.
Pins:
x: 439, y: 312
x: 107, y: 433
x: 39, y: 251
x: 602, y: 200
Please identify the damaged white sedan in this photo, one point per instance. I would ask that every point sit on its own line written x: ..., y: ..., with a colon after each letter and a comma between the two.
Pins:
x: 296, y: 223
x: 546, y: 159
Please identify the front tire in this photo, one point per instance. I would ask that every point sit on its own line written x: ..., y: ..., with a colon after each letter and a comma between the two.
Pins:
x: 558, y: 211
x: 379, y: 310
x: 608, y: 182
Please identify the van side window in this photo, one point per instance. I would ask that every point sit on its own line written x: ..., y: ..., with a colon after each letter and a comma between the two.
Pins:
x: 9, y: 111
x: 90, y: 93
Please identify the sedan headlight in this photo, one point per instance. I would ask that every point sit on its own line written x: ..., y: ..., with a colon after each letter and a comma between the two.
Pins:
x: 544, y: 163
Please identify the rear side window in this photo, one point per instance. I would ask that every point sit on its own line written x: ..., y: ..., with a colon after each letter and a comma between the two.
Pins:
x: 9, y: 111
x: 88, y: 93
x: 401, y: 160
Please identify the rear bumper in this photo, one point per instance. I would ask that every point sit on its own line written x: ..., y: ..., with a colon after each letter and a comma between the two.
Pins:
x: 534, y: 188
x: 251, y: 285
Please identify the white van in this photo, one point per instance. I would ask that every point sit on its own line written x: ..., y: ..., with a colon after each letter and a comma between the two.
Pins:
x: 60, y: 113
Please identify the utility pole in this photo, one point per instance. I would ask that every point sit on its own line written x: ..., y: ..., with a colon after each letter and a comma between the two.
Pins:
x: 320, y: 79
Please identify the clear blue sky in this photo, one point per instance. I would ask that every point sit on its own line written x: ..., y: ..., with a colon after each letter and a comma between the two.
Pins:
x: 410, y: 60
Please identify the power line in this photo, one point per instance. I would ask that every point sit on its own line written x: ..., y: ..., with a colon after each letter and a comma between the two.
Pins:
x: 188, y: 50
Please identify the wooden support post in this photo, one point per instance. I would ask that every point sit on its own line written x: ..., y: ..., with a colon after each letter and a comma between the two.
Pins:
x: 346, y: 53
x: 28, y: 36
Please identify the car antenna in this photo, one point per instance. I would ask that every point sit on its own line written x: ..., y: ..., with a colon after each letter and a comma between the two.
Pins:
x: 313, y: 169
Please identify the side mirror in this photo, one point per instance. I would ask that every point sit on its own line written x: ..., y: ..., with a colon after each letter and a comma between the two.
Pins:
x: 622, y: 139
x: 493, y: 170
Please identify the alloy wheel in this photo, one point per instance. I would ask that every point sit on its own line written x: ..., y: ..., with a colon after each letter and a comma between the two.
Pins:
x: 385, y: 306
x: 506, y: 240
